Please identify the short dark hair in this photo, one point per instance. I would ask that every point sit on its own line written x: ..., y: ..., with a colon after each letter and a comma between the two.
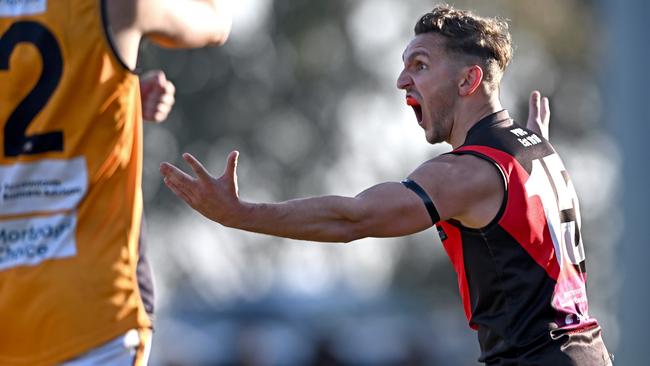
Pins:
x: 465, y: 33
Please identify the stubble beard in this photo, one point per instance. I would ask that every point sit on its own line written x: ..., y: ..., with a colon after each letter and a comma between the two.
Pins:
x: 440, y: 129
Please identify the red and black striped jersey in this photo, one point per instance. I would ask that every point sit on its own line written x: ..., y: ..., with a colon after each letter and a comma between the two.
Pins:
x: 522, y: 277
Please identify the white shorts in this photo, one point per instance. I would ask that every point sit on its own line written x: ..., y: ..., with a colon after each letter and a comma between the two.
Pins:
x: 129, y: 349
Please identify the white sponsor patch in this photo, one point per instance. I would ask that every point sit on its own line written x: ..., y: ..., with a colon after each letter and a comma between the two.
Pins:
x: 12, y: 8
x: 28, y: 242
x: 42, y: 186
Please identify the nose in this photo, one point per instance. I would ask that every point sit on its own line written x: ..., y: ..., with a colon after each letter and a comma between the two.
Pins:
x: 403, y: 80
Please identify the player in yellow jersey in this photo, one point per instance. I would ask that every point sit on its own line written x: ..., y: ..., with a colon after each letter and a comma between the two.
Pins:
x: 70, y: 171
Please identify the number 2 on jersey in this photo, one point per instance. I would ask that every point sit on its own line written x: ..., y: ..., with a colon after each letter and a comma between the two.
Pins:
x: 550, y: 181
x: 16, y: 142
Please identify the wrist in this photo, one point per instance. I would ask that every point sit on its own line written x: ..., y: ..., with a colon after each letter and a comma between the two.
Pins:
x: 236, y: 214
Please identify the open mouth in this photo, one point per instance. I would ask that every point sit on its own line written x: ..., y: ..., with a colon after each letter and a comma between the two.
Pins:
x: 417, y: 108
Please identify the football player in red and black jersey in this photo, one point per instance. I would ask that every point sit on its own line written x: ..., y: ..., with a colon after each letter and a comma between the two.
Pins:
x: 501, y: 200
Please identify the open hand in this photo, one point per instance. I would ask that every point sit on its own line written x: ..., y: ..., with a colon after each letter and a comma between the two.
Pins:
x: 539, y: 114
x: 157, y: 96
x: 214, y: 198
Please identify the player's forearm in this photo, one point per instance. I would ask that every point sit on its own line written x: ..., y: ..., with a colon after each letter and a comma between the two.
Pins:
x: 324, y: 219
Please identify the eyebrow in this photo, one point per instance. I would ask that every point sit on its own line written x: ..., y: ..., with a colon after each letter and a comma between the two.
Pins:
x: 415, y: 54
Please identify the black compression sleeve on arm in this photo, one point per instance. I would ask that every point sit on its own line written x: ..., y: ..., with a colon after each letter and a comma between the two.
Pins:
x: 431, y: 209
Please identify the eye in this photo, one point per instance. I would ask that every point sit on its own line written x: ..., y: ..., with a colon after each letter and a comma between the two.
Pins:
x: 421, y: 66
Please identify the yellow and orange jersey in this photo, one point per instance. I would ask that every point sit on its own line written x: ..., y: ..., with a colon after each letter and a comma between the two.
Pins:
x: 70, y: 174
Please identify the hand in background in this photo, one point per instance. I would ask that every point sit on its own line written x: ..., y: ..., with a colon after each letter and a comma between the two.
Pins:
x: 539, y: 114
x: 157, y: 95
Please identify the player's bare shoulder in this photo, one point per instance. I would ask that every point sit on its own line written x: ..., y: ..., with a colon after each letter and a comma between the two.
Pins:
x: 463, y: 187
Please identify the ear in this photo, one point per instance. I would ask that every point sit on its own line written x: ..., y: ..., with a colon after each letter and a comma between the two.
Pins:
x: 472, y: 76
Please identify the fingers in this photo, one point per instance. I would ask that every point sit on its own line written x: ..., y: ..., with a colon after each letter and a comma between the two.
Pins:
x: 157, y: 95
x: 231, y: 171
x: 545, y: 118
x: 160, y: 78
x: 231, y: 164
x: 157, y: 107
x: 153, y: 79
x: 145, y: 82
x: 196, y: 166
x: 177, y: 190
x: 533, y: 106
x: 539, y: 114
x: 175, y: 175
x: 545, y: 112
x: 166, y: 101
x: 178, y: 181
x: 169, y: 87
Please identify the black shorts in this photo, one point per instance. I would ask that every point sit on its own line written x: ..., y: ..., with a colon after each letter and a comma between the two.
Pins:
x: 584, y: 348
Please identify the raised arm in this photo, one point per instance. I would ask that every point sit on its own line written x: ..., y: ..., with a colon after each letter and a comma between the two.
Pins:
x: 384, y: 210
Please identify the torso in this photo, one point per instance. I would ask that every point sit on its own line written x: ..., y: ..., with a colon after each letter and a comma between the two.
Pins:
x: 522, y: 276
x: 70, y: 169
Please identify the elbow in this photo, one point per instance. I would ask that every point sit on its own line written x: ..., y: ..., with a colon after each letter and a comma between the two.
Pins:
x: 222, y: 23
x: 355, y: 231
x: 345, y: 239
x: 357, y: 223
x: 221, y: 32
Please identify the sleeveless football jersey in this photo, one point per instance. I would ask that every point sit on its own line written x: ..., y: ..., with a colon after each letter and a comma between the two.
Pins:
x: 522, y: 277
x: 70, y: 172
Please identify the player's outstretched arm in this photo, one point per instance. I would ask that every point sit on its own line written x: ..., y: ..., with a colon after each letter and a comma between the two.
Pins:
x: 539, y: 114
x: 388, y: 209
x: 384, y: 210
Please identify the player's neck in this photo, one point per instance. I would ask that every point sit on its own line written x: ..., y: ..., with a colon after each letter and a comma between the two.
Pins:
x: 468, y: 112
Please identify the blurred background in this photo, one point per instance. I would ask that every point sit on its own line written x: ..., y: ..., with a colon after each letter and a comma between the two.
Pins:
x: 305, y: 90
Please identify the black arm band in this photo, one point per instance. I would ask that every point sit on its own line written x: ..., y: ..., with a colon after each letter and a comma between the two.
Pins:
x: 431, y: 209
